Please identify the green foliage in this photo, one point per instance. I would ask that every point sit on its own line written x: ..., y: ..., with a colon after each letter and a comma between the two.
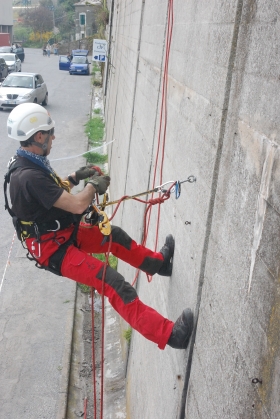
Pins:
x: 95, y: 130
x: 96, y: 83
x: 46, y: 3
x: 103, y: 16
x: 97, y: 111
x: 22, y: 33
x: 113, y: 261
x: 95, y: 68
x: 96, y: 158
x: 127, y: 334
x: 84, y: 288
x: 68, y: 4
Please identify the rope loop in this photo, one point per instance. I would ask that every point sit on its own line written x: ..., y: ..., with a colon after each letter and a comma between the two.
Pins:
x: 154, y: 201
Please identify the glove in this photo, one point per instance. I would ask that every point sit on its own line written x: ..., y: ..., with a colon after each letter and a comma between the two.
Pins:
x: 87, y: 171
x: 100, y: 183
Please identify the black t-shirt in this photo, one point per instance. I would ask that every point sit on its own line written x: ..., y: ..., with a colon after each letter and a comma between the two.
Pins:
x: 33, y: 193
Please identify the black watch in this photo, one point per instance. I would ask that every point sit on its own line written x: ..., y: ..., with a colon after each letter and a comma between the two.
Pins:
x: 72, y: 181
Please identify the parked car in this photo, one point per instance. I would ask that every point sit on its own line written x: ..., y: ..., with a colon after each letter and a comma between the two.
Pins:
x: 20, y: 88
x: 78, y: 64
x: 5, y: 49
x: 4, y: 71
x: 12, y: 61
x: 20, y: 53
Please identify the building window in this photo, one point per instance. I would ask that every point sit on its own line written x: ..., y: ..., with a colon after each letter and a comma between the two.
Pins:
x: 82, y: 19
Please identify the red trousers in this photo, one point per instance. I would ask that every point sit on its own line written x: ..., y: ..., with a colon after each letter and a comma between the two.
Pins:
x: 80, y: 266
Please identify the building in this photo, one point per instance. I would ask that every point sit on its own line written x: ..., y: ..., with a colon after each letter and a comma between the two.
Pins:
x: 85, y: 12
x: 6, y: 17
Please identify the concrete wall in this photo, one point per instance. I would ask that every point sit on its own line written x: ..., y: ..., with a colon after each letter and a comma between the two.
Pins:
x: 223, y: 127
x: 6, y: 16
x: 6, y: 12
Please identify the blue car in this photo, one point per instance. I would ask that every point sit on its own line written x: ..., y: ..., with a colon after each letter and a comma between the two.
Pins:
x: 77, y: 63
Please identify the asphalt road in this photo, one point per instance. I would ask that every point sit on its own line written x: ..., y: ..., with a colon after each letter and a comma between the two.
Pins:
x: 36, y: 307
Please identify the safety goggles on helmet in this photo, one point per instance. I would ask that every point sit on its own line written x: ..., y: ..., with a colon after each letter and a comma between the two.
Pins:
x: 50, y: 132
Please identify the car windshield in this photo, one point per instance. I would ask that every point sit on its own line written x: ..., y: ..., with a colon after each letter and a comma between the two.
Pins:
x: 18, y: 81
x: 79, y: 60
x: 8, y: 57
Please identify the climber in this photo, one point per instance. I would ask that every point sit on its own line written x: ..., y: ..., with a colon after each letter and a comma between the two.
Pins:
x: 47, y: 218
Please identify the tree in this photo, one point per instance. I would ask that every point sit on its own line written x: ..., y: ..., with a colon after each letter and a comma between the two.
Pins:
x: 48, y: 4
x: 68, y: 4
x: 39, y: 19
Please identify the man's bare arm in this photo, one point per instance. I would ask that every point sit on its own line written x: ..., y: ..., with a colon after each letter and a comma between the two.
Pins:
x: 76, y: 204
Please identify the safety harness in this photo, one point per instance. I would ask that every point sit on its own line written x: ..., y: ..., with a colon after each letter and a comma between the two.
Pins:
x: 31, y: 229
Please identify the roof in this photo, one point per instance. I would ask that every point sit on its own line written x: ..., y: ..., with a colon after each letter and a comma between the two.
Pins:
x: 82, y: 52
x: 87, y: 3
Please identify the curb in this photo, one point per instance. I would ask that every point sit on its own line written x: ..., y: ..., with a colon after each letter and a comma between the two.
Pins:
x: 66, y: 361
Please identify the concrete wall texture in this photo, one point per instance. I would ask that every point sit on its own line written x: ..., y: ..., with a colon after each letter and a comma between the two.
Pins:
x: 223, y: 127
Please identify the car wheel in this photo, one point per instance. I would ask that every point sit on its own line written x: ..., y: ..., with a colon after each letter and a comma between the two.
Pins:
x: 46, y: 100
x: 70, y: 73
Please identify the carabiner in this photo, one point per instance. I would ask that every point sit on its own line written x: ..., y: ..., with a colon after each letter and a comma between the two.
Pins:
x: 58, y: 226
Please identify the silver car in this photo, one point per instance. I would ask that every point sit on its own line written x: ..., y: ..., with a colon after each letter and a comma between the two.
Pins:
x: 22, y: 88
x: 12, y: 61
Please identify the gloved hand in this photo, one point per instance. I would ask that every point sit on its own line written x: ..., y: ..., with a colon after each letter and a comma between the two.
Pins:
x: 87, y: 171
x: 100, y: 183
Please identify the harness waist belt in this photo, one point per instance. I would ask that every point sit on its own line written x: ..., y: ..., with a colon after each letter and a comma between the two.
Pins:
x: 31, y: 229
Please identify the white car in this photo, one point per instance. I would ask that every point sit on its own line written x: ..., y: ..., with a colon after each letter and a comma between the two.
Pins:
x: 12, y: 61
x: 20, y: 88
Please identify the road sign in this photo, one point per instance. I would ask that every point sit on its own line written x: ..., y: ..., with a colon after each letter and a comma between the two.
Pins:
x: 99, y: 50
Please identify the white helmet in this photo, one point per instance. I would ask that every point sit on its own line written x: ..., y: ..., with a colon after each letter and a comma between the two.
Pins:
x: 27, y: 119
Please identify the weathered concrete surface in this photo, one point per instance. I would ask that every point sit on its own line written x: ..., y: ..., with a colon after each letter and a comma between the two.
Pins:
x: 223, y: 127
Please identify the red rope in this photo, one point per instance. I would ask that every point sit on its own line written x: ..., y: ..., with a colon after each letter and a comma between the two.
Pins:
x: 93, y: 352
x: 163, y: 118
x: 85, y: 408
x: 102, y: 338
x: 150, y: 203
x: 103, y: 326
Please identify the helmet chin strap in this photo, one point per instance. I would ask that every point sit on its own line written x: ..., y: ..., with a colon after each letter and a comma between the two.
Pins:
x: 44, y: 146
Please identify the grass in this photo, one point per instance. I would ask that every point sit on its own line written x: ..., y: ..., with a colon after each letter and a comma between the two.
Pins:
x: 97, y: 111
x: 127, y: 334
x: 113, y: 262
x: 95, y: 130
x: 96, y: 158
x: 95, y: 68
x: 84, y: 288
x: 96, y: 82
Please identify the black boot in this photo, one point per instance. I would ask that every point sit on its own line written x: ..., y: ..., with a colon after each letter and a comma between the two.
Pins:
x: 182, y: 330
x: 167, y: 251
